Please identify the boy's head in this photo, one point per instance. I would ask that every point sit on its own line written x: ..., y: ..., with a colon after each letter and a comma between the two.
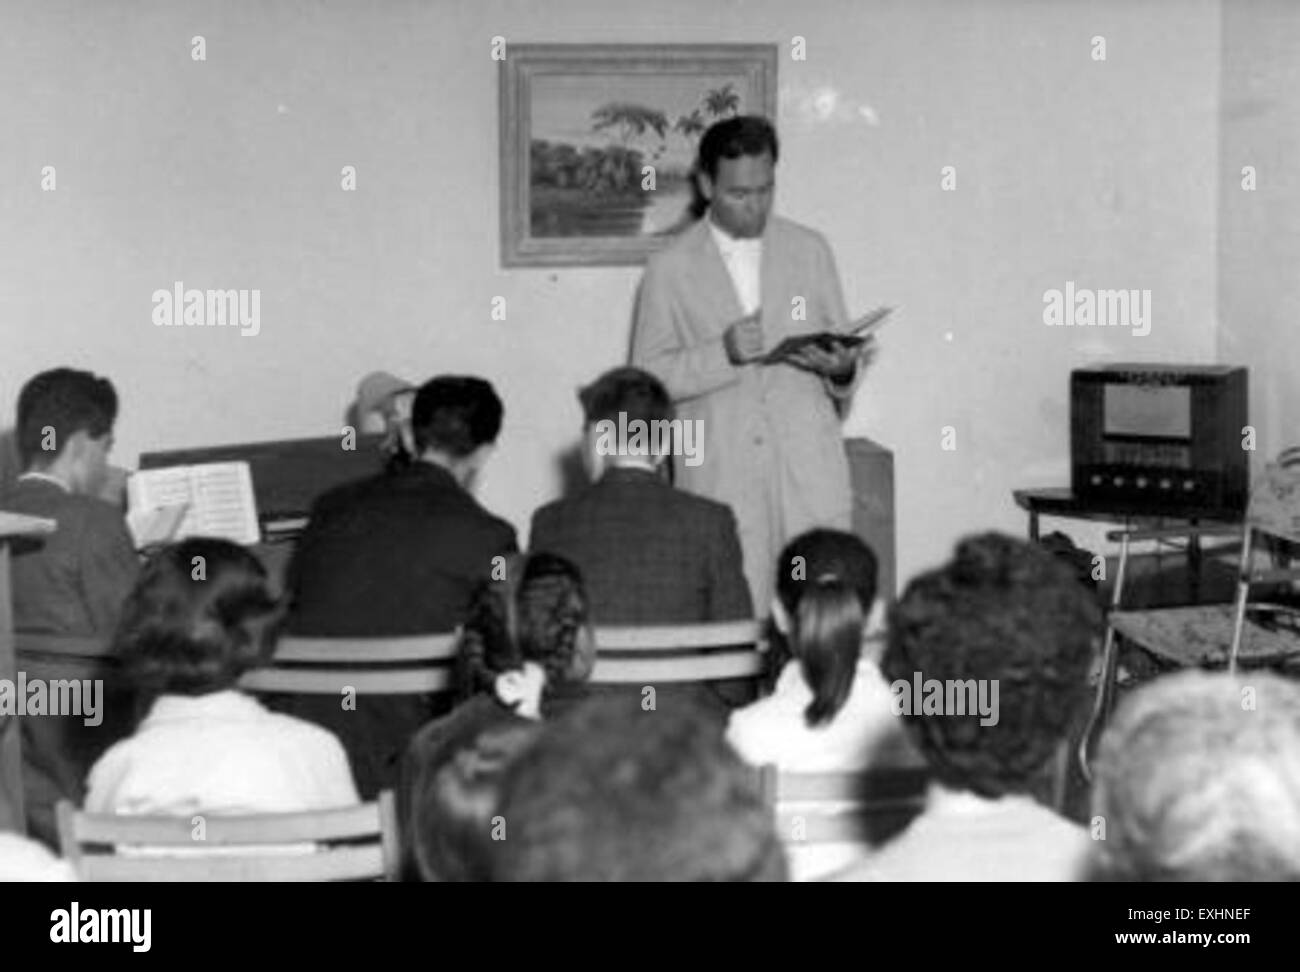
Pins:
x: 65, y: 427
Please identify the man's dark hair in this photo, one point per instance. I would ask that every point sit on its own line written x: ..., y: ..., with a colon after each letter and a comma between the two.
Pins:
x: 734, y: 137
x: 605, y: 795
x: 826, y: 581
x: 1006, y: 610
x: 201, y: 615
x: 455, y: 414
x: 67, y: 401
x: 636, y: 393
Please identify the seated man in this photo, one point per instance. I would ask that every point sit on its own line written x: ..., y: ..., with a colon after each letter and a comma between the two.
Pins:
x: 603, y: 797
x: 399, y: 553
x: 988, y: 661
x: 1198, y: 779
x: 650, y: 554
x: 74, y: 580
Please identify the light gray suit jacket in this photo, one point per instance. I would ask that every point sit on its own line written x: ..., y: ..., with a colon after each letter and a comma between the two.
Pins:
x: 772, y: 446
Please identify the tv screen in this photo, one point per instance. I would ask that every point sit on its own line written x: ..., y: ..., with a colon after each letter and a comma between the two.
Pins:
x: 1149, y: 411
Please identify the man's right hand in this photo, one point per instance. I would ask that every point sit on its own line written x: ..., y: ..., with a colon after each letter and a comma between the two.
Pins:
x: 744, y: 339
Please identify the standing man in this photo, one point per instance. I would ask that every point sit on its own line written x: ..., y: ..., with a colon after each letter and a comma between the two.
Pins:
x: 711, y: 304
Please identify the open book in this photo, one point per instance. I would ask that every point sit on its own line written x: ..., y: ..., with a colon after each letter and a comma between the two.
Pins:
x: 855, y: 334
x: 209, y: 500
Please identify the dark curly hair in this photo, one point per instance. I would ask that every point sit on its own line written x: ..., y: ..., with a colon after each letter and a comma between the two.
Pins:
x: 536, y: 614
x: 1005, y: 610
x: 453, y: 816
x: 604, y: 797
x: 200, y: 615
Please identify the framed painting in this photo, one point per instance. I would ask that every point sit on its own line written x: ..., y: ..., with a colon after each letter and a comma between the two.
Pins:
x: 598, y: 142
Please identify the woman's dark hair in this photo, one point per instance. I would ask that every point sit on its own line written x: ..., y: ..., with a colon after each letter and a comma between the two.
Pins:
x: 536, y: 614
x: 200, y: 616
x: 453, y: 825
x: 826, y: 581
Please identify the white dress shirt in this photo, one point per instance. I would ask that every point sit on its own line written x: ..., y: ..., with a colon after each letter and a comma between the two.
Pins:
x: 964, y: 837
x: 743, y: 259
x: 221, y: 753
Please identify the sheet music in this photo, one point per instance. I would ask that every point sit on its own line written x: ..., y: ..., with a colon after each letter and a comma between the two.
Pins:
x: 217, y: 499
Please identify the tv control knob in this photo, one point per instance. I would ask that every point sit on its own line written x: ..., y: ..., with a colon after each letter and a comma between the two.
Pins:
x: 1141, y: 482
x: 1166, y: 484
x: 1119, y: 480
x: 1188, y: 485
x: 1096, y: 479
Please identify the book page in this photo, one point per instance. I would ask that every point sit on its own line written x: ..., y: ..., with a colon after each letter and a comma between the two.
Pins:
x: 212, y: 500
x: 224, y: 505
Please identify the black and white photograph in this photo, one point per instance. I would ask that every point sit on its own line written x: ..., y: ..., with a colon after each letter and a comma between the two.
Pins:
x: 590, y: 441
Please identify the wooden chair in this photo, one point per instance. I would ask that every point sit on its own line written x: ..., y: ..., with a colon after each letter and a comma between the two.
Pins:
x: 354, y: 844
x: 860, y: 806
x: 414, y: 665
x: 1245, y: 632
x: 653, y: 654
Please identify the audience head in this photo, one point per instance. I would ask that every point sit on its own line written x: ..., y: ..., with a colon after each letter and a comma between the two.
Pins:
x: 1198, y: 779
x: 65, y: 427
x: 736, y: 173
x: 455, y: 420
x: 454, y: 813
x: 527, y: 635
x: 200, y: 615
x: 615, y: 400
x: 604, y: 796
x: 825, y: 586
x: 1004, y: 622
x: 383, y: 405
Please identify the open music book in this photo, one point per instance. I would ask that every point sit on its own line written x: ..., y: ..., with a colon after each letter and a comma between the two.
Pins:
x: 209, y: 500
x: 855, y: 334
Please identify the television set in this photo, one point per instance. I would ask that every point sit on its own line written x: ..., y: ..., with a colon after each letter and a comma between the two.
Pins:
x: 1153, y: 438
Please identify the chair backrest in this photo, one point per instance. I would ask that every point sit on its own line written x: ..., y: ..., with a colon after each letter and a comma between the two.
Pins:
x: 857, y: 806
x: 414, y: 665
x: 650, y: 654
x: 353, y: 844
x: 53, y: 656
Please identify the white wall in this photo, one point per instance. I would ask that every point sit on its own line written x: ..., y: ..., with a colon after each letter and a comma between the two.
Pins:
x: 226, y: 174
x: 1259, y: 245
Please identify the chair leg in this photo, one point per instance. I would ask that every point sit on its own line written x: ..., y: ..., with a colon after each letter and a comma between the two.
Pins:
x: 1243, y: 594
x: 1109, y: 669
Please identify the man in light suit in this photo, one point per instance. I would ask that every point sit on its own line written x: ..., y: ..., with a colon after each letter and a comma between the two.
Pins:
x: 711, y: 304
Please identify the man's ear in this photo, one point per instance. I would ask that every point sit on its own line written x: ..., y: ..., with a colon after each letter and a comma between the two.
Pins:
x: 705, y: 183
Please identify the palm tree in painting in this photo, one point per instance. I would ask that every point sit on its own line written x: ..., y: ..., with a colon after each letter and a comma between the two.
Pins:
x: 722, y: 101
x: 632, y: 121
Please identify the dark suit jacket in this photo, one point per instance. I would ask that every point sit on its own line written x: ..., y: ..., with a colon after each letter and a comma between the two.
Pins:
x: 650, y: 554
x: 396, y: 554
x: 71, y: 582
